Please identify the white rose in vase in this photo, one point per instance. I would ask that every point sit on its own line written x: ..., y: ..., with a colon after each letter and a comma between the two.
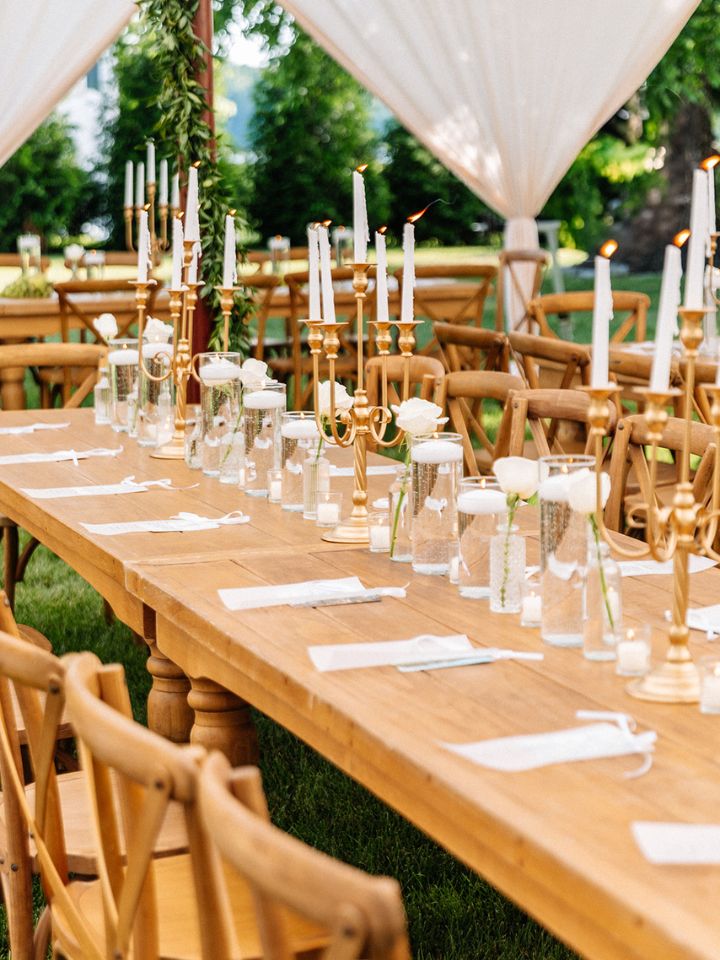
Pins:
x: 253, y: 374
x: 418, y: 418
x: 517, y: 476
x: 582, y: 491
x: 106, y: 326
x: 343, y: 400
x: 156, y: 331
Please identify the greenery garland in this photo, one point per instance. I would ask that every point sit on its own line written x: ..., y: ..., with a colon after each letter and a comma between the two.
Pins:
x: 180, y: 58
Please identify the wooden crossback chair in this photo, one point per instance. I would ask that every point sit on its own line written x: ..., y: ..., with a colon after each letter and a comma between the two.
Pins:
x: 631, y: 370
x: 47, y: 823
x: 364, y: 915
x: 426, y: 373
x: 458, y: 296
x: 68, y: 357
x: 538, y: 411
x: 705, y: 376
x: 546, y: 361
x: 628, y: 462
x: 69, y: 291
x: 15, y: 260
x: 164, y: 907
x: 462, y: 395
x: 513, y: 267
x: 261, y: 288
x: 471, y: 348
x: 633, y: 305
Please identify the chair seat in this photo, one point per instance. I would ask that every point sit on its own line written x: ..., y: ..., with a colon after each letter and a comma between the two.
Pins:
x: 179, y: 934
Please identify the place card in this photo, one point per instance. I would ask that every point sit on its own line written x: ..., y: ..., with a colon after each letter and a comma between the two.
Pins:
x: 644, y: 568
x: 128, y: 485
x: 390, y: 653
x: 302, y: 593
x: 692, y: 844
x: 182, y: 523
x: 58, y: 457
x: 377, y: 471
x: 31, y: 428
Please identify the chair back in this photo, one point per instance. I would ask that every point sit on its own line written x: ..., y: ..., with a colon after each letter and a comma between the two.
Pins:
x: 520, y: 276
x: 471, y: 348
x: 540, y: 411
x: 634, y: 307
x: 364, y: 915
x: 15, y: 260
x: 545, y: 359
x: 84, y: 357
x: 261, y: 288
x: 423, y: 372
x: 462, y: 394
x: 71, y: 293
x: 705, y: 376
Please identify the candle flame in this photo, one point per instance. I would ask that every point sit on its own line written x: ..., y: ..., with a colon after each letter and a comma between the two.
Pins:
x: 709, y: 162
x: 325, y: 223
x: 363, y: 167
x: 608, y: 248
x: 146, y: 207
x: 232, y: 213
x: 680, y: 237
x: 180, y: 214
x: 197, y: 164
x: 278, y: 236
x: 382, y: 229
x: 414, y: 217
x: 630, y: 634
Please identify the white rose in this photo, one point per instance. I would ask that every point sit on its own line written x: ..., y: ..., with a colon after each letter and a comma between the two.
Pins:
x: 73, y: 252
x: 343, y: 400
x: 582, y: 491
x: 418, y: 417
x: 156, y: 331
x: 517, y: 475
x: 106, y: 326
x: 253, y: 374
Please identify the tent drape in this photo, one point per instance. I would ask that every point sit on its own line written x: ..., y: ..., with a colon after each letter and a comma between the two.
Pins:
x: 45, y: 47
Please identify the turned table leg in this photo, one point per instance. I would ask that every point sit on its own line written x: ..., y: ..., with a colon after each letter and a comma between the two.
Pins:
x: 168, y: 711
x: 12, y: 389
x: 222, y: 722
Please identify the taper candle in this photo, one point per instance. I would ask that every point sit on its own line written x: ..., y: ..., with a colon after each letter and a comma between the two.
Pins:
x: 143, y: 248
x: 177, y: 254
x: 602, y: 313
x: 175, y: 198
x: 193, y: 269
x: 381, y: 310
x: 163, y: 192
x: 667, y: 317
x: 230, y: 256
x: 361, y: 232
x: 313, y: 274
x: 192, y: 221
x: 695, y: 268
x: 129, y: 183
x: 140, y: 185
x: 150, y: 161
x: 328, y: 296
x: 408, y: 275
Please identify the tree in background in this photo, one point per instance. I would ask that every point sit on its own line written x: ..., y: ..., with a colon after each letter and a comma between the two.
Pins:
x: 44, y: 189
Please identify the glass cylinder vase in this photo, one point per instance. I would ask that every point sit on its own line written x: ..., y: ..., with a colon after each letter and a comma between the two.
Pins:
x: 220, y: 401
x: 102, y: 396
x: 480, y: 503
x: 155, y: 413
x: 507, y: 569
x: 300, y: 438
x: 262, y: 410
x: 400, y: 504
x: 563, y: 552
x: 602, y: 624
x: 436, y: 472
x: 123, y: 364
x: 316, y: 479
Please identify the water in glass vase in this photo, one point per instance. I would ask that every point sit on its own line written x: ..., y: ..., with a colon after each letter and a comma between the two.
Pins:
x: 436, y: 472
x: 300, y: 438
x: 261, y: 419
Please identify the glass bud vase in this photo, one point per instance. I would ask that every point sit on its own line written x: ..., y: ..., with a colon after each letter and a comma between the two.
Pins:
x: 262, y: 411
x: 220, y: 392
x: 123, y: 363
x: 480, y: 503
x: 400, y: 504
x: 507, y: 569
x: 563, y: 552
x: 602, y: 623
x: 316, y: 479
x: 436, y: 472
x: 155, y: 413
x: 102, y: 396
x: 300, y: 440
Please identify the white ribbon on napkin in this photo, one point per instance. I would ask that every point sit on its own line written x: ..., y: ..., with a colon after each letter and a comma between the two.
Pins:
x: 59, y: 456
x: 128, y: 485
x: 181, y: 523
x: 696, y: 844
x: 378, y: 471
x: 390, y: 653
x: 31, y: 428
x: 341, y: 588
x: 643, y: 568
x: 611, y: 737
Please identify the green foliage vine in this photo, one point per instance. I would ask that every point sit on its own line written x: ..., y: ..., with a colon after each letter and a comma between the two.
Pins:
x: 182, y: 104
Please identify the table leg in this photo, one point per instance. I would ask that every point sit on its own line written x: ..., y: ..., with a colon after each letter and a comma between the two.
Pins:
x: 168, y: 711
x: 222, y: 722
x: 12, y: 390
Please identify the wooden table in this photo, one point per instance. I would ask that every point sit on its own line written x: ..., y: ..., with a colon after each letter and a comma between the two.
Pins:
x: 555, y: 840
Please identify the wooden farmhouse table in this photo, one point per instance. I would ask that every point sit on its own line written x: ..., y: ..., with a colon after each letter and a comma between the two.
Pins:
x: 556, y: 840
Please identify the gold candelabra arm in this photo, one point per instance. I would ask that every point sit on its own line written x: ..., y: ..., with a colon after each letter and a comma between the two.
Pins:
x: 227, y: 299
x: 128, y: 214
x: 141, y: 297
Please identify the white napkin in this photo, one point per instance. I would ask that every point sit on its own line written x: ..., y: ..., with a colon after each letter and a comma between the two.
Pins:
x: 694, y: 844
x: 640, y: 568
x: 128, y: 485
x: 182, y: 523
x: 590, y: 742
x: 706, y: 619
x: 31, y: 428
x: 342, y: 588
x: 336, y: 471
x: 347, y: 656
x: 59, y: 456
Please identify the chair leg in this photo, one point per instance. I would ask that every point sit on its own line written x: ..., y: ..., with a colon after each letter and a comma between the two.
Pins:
x: 11, y: 551
x: 25, y: 556
x: 108, y: 613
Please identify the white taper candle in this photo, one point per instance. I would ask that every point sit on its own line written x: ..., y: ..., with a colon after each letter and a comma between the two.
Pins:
x: 361, y: 232
x: 175, y: 197
x: 143, y: 248
x: 314, y: 312
x: 602, y: 312
x: 163, y: 190
x: 192, y: 219
x: 408, y: 275
x: 177, y: 254
x: 381, y: 311
x: 667, y: 318
x: 129, y: 183
x: 140, y: 185
x: 230, y: 254
x: 697, y: 245
x: 328, y: 296
x: 150, y: 161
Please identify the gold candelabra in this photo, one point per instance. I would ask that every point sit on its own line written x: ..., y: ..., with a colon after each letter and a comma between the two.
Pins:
x: 227, y: 299
x: 361, y: 422
x: 678, y: 531
x: 183, y: 302
x: 158, y: 243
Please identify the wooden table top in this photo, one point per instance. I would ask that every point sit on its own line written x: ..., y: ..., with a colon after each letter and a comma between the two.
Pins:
x: 556, y: 840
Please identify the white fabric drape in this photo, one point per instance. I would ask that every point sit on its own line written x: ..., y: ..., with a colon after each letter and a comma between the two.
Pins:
x: 505, y: 92
x: 45, y: 47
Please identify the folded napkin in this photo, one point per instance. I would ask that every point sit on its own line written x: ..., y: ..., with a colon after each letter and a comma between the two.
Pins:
x: 304, y: 592
x: 128, y: 485
x: 706, y: 619
x: 640, y: 568
x: 182, y: 523
x: 612, y: 737
x: 694, y: 844
x: 59, y: 456
x: 348, y: 656
x: 31, y: 428
x: 336, y: 471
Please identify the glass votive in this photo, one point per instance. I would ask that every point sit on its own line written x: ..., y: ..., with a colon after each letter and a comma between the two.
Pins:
x: 329, y: 506
x: 274, y: 485
x: 379, y: 531
x: 531, y: 603
x: 193, y: 436
x: 633, y: 652
x: 710, y: 684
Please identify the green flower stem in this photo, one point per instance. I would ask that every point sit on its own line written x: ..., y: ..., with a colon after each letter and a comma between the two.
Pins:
x: 401, y: 498
x: 321, y: 439
x: 601, y: 570
x: 512, y: 501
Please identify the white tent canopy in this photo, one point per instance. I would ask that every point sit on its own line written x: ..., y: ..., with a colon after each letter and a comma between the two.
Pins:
x: 45, y: 47
x: 505, y: 92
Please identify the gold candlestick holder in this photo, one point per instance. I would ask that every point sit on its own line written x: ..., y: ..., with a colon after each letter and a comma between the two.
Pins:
x: 685, y: 528
x: 227, y: 299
